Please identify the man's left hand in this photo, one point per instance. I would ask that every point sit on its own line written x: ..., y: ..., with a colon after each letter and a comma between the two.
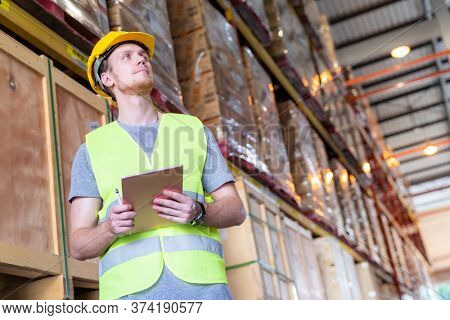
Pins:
x: 177, y: 208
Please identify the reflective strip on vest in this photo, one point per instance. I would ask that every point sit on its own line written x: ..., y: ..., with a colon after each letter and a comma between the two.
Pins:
x: 147, y: 246
x: 192, y: 242
x: 129, y: 251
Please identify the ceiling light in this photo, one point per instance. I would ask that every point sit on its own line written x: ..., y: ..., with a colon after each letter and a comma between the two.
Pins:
x: 393, y: 162
x: 430, y: 150
x: 400, y: 52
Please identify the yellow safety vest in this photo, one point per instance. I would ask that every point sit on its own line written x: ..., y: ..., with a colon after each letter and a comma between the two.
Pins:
x: 135, y: 262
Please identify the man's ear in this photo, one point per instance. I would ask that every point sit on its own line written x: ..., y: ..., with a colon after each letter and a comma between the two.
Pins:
x: 106, y: 80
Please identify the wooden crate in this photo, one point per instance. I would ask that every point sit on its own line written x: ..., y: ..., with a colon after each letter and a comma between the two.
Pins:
x: 303, y: 261
x: 368, y: 282
x: 332, y: 266
x: 30, y: 230
x: 29, y: 192
x: 50, y: 124
x: 78, y: 112
x: 262, y: 255
x: 352, y: 276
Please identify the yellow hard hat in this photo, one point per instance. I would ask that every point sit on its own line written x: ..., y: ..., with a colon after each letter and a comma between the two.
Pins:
x: 106, y: 45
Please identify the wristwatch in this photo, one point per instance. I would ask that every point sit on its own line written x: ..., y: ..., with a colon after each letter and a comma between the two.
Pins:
x: 200, y: 217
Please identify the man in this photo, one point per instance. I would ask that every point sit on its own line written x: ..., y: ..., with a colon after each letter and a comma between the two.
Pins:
x: 180, y: 261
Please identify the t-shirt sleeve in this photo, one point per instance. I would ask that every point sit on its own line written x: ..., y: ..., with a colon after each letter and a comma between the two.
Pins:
x: 82, y: 181
x: 216, y: 171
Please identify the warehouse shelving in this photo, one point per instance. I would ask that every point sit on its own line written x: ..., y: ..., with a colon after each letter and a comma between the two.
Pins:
x: 43, y: 38
x: 346, y: 159
x: 278, y: 74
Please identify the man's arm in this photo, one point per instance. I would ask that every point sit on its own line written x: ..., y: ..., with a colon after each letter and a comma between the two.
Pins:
x: 226, y: 211
x: 89, y: 240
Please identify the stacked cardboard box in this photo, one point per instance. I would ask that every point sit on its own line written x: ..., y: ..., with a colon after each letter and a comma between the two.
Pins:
x: 90, y: 13
x: 254, y: 14
x: 333, y: 210
x: 212, y: 76
x: 273, y: 150
x: 304, y: 165
x: 152, y: 17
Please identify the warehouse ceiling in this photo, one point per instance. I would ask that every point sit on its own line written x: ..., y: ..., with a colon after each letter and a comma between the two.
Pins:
x: 410, y: 116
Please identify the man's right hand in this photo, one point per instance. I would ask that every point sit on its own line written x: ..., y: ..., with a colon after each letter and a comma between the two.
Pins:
x: 121, y: 219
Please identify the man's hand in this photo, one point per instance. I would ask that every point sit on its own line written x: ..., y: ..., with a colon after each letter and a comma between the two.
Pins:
x: 121, y: 220
x: 177, y: 208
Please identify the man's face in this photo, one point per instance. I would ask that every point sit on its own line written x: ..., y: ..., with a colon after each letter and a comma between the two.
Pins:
x: 130, y: 71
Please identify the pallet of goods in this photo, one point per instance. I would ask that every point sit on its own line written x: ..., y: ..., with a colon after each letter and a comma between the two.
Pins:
x: 272, y: 148
x: 332, y: 208
x: 304, y: 164
x: 291, y: 51
x: 254, y: 14
x: 212, y: 78
x: 350, y: 216
x: 82, y: 23
x: 92, y: 14
x: 152, y: 17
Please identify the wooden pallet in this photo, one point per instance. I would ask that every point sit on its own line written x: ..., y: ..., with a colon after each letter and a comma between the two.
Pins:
x: 54, y: 18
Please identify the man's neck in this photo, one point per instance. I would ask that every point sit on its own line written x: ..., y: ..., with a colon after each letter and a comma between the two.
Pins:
x: 136, y: 110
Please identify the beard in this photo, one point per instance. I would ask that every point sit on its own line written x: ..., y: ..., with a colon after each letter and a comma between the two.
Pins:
x: 139, y: 86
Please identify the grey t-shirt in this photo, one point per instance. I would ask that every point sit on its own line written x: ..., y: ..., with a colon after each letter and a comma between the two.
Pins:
x: 215, y: 174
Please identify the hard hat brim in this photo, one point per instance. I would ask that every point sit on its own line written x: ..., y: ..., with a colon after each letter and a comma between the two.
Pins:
x: 144, y: 38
